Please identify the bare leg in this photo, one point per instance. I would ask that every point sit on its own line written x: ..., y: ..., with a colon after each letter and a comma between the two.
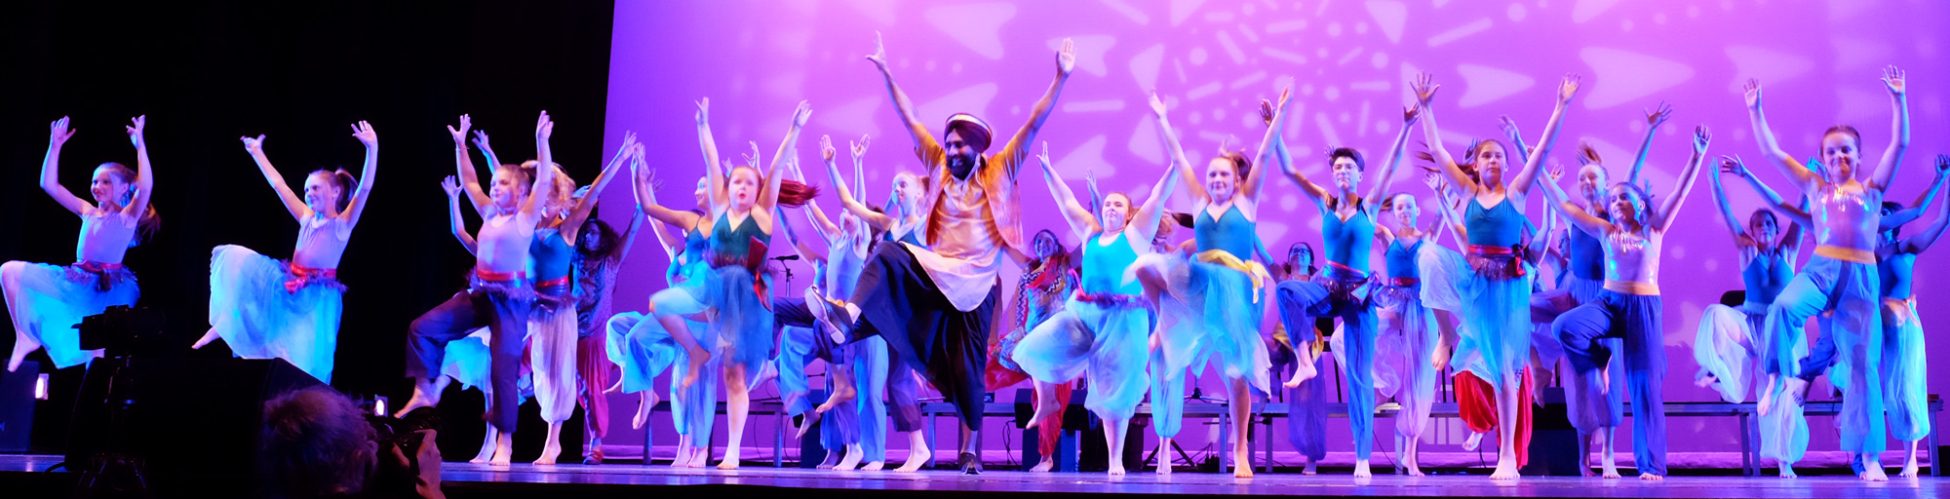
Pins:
x: 1506, y: 428
x: 504, y: 448
x: 208, y: 336
x: 683, y: 457
x: 1872, y: 466
x: 918, y: 453
x: 1909, y: 465
x: 1115, y: 429
x: 852, y: 459
x: 425, y: 394
x: 552, y: 448
x: 1608, y: 445
x: 1242, y: 413
x: 832, y: 459
x: 23, y: 345
x: 1411, y: 456
x: 487, y: 447
x: 646, y: 403
x: 1164, y: 457
x: 694, y: 352
x: 738, y: 402
x: 1045, y: 401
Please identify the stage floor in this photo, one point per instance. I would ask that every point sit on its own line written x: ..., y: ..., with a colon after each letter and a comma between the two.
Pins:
x: 26, y: 473
x: 463, y: 479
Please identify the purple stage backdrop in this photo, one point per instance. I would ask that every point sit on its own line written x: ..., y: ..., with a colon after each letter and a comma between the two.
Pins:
x: 1346, y: 61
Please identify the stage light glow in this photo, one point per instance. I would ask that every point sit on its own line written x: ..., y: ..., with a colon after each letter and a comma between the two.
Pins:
x: 40, y: 387
x: 379, y: 406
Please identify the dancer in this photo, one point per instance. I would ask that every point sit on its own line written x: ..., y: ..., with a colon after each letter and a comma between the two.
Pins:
x: 643, y: 347
x: 1903, y: 365
x: 499, y: 293
x: 1730, y: 348
x: 1407, y: 337
x: 935, y: 305
x: 264, y: 308
x: 1347, y: 233
x: 1102, y: 331
x: 1629, y: 307
x: 1209, y: 305
x: 47, y: 301
x: 553, y: 327
x: 1495, y: 342
x: 1047, y: 281
x: 598, y: 259
x: 1841, y: 279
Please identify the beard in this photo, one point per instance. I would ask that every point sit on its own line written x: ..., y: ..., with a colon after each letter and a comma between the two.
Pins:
x: 960, y: 166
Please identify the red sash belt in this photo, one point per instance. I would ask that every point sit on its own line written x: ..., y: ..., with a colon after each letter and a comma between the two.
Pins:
x: 301, y: 275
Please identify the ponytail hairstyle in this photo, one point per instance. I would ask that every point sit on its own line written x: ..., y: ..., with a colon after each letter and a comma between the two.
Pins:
x: 345, y: 182
x: 151, y: 221
x: 794, y: 194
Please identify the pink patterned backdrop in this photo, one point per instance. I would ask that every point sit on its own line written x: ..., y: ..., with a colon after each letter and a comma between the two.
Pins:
x: 1347, y: 62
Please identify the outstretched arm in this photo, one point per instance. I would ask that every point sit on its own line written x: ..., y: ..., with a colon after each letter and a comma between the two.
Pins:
x: 1892, y: 159
x: 50, y: 169
x: 1445, y: 210
x: 544, y: 169
x: 902, y: 105
x: 572, y: 224
x: 1395, y: 153
x: 145, y: 179
x: 1280, y: 156
x: 881, y: 221
x: 1081, y: 223
x: 1922, y: 203
x: 1584, y: 220
x: 646, y: 199
x: 828, y: 231
x: 1653, y: 119
x: 769, y: 197
x: 1670, y: 212
x: 1770, y: 148
x: 469, y: 179
x: 1017, y: 149
x: 357, y: 206
x: 1515, y: 135
x: 1250, y: 186
x: 714, y: 188
x: 292, y: 203
x: 1924, y: 240
x: 1520, y: 184
x: 1720, y: 198
x: 457, y: 224
x: 1147, y: 216
x: 1799, y: 215
x: 1425, y: 88
x: 1177, y: 153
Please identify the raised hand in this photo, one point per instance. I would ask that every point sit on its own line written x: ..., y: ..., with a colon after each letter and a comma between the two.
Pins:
x: 826, y: 150
x: 1658, y: 116
x: 1410, y: 114
x: 1942, y: 164
x: 1157, y: 105
x: 1433, y: 180
x: 1733, y: 165
x: 1893, y: 78
x: 752, y: 156
x: 544, y: 127
x: 452, y: 187
x: 1509, y: 127
x: 1066, y: 57
x: 1568, y: 88
x: 801, y: 114
x: 253, y: 145
x: 1266, y: 111
x: 1701, y: 137
x: 480, y: 138
x: 362, y: 131
x: 460, y: 134
x: 879, y: 55
x: 629, y: 142
x: 1425, y: 87
x: 1752, y: 92
x: 860, y: 148
x: 135, y: 130
x: 1556, y: 172
x: 1043, y: 156
x: 58, y: 132
x: 704, y: 111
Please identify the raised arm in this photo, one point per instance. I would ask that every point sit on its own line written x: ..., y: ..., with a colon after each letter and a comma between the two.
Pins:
x: 58, y: 135
x: 853, y: 205
x: 1280, y: 156
x: 292, y: 203
x: 572, y: 224
x: 1147, y: 216
x: 1395, y: 153
x: 145, y: 178
x: 1520, y: 184
x: 646, y: 199
x: 1445, y: 209
x: 1584, y: 220
x: 629, y: 234
x: 1249, y: 187
x: 1425, y: 89
x: 903, y: 107
x: 1892, y: 159
x: 544, y: 168
x: 1670, y: 212
x: 1653, y: 119
x: 1081, y: 223
x: 469, y: 179
x: 828, y: 231
x: 1734, y: 226
x: 357, y: 205
x: 456, y: 223
x: 1770, y: 148
x: 1176, y: 151
x: 715, y: 188
x: 1922, y: 203
x: 1922, y: 241
x: 1515, y: 135
x: 768, y: 198
x: 1799, y: 215
x: 792, y: 239
x: 1016, y: 149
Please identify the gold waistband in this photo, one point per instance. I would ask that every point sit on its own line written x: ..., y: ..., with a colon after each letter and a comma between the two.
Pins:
x: 1632, y: 288
x: 1252, y: 269
x: 1846, y: 254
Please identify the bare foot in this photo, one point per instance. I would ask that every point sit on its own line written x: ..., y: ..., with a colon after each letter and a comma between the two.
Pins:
x: 205, y: 340
x: 916, y: 458
x: 1116, y: 468
x: 1472, y: 442
x: 1311, y: 469
x: 1242, y: 471
x: 646, y: 403
x: 1164, y: 469
x: 1872, y: 472
x: 1361, y: 470
x: 504, y: 449
x: 696, y: 357
x: 874, y: 466
x: 1766, y: 402
x: 1648, y: 477
x: 1414, y: 469
x: 806, y: 424
x: 1045, y: 466
x: 852, y: 459
x: 1304, y: 371
x: 1506, y: 471
x: 730, y: 461
x: 1787, y: 471
x: 1909, y: 469
x: 425, y: 394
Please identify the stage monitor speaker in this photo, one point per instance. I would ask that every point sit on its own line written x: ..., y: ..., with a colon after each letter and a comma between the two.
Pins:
x: 185, y: 426
x: 1553, y: 441
x: 17, y: 401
